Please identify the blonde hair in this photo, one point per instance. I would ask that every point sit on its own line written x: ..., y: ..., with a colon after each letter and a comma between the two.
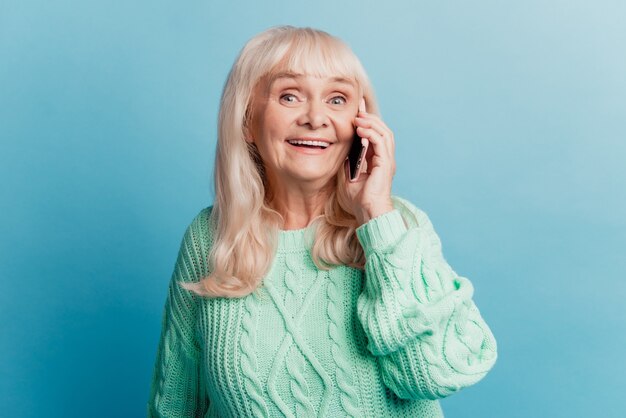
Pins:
x: 245, y: 228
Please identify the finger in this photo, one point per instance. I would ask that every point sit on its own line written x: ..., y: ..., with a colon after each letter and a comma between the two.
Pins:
x: 387, y: 135
x: 373, y: 121
x: 382, y: 146
x: 378, y: 155
x: 380, y: 127
x: 362, y: 105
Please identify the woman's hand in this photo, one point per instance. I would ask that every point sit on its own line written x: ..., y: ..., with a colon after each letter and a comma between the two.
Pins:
x: 370, y: 195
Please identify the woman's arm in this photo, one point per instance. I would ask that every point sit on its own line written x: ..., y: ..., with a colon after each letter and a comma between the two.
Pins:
x: 176, y: 389
x: 417, y: 313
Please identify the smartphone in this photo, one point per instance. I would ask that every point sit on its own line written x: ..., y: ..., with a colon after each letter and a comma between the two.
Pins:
x: 356, y: 157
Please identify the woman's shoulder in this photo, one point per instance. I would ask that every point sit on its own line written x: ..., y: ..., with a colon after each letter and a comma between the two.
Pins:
x: 196, y: 244
x: 199, y: 234
x: 203, y: 218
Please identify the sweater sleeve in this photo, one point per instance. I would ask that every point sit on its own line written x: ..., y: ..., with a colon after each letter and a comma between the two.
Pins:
x: 417, y: 313
x: 176, y: 389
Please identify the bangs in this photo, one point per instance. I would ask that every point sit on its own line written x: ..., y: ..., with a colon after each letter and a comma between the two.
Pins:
x: 319, y: 56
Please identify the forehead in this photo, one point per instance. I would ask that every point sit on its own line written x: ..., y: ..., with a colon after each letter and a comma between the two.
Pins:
x: 298, y: 76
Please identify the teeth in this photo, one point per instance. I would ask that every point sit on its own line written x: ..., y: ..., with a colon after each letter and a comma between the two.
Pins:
x: 312, y: 143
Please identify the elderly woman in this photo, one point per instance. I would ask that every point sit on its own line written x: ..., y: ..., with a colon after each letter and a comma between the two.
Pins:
x: 301, y: 292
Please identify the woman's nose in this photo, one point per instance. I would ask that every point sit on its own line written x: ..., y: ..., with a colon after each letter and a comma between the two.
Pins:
x: 314, y: 114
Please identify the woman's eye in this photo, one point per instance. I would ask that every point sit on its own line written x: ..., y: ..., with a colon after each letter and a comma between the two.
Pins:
x: 338, y: 100
x: 289, y: 98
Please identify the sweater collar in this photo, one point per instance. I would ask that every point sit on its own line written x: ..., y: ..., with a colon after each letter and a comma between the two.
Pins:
x: 295, y: 239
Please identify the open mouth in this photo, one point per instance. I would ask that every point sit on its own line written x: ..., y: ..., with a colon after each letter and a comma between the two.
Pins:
x: 309, y: 144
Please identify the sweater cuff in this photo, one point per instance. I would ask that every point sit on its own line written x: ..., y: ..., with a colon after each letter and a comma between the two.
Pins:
x: 381, y: 232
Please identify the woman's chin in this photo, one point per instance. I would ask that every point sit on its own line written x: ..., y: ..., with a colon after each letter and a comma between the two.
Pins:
x: 309, y: 177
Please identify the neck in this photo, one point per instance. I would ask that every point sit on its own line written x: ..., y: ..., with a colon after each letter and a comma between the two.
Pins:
x: 299, y: 205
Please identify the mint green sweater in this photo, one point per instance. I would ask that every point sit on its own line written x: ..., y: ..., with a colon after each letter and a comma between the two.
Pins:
x: 384, y: 342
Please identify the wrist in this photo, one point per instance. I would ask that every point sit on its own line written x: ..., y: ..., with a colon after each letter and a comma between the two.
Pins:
x: 382, y: 232
x: 368, y: 213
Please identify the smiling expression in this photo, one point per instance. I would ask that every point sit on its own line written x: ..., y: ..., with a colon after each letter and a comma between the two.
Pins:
x: 302, y: 126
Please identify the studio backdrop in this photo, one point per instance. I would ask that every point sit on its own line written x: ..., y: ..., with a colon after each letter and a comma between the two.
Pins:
x: 509, y: 120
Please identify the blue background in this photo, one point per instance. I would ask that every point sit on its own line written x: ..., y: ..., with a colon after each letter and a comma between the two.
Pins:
x: 509, y: 119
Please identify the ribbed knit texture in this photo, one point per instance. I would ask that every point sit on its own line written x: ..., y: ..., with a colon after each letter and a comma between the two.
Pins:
x: 386, y: 342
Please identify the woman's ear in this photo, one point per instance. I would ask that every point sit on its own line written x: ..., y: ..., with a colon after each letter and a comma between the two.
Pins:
x: 247, y: 132
x: 247, y: 135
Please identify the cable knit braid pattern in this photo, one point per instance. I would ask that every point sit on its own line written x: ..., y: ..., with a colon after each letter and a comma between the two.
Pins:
x: 384, y: 342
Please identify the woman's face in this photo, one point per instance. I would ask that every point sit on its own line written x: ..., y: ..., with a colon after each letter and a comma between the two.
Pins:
x: 303, y: 126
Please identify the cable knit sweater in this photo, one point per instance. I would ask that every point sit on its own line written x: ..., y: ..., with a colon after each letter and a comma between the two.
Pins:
x: 383, y: 342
